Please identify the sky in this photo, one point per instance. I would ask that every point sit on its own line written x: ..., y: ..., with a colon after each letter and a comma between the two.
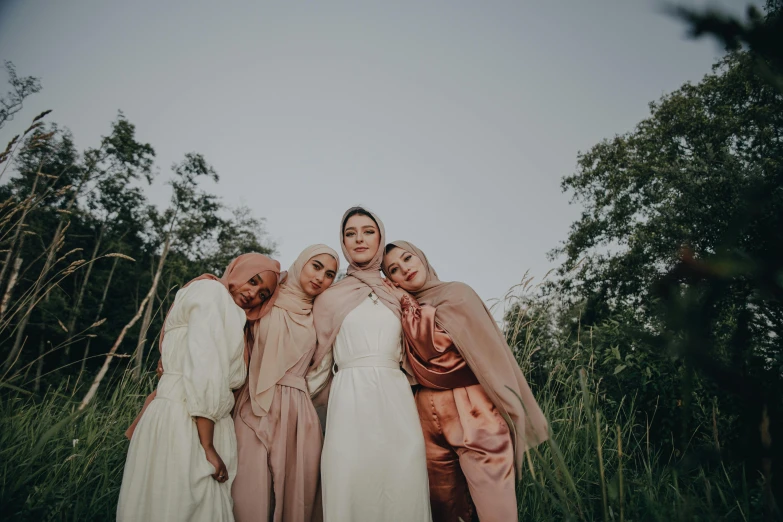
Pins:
x: 455, y: 121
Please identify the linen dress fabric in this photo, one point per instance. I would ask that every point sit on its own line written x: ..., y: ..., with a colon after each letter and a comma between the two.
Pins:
x: 202, y: 344
x: 278, y: 432
x: 373, y: 465
x: 167, y: 476
x: 475, y: 426
x: 239, y: 271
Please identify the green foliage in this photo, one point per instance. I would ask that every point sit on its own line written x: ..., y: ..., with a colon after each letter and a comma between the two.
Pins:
x: 75, y: 473
x: 20, y: 88
x: 66, y: 214
x: 676, y: 262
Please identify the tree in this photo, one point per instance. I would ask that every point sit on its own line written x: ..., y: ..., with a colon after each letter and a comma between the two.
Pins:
x: 115, y: 201
x: 195, y: 236
x: 21, y: 88
x: 678, y: 179
x: 119, y: 155
x: 682, y: 233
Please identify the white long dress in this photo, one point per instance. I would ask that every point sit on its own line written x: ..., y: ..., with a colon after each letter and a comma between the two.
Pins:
x: 167, y: 476
x: 373, y: 465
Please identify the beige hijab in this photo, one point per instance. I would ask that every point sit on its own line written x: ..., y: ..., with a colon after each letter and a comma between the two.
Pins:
x: 463, y: 315
x: 284, y: 335
x: 332, y: 307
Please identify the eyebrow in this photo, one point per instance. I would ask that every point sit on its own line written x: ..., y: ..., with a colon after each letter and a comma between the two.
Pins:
x: 393, y: 263
x: 362, y: 227
x: 320, y: 265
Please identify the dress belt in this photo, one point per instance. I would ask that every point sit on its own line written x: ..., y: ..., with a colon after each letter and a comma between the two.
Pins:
x: 293, y: 381
x: 370, y: 361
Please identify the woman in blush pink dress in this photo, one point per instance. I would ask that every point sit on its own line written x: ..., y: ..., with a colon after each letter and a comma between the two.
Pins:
x: 278, y: 431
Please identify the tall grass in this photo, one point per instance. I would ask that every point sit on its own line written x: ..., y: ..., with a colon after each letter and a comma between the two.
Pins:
x: 62, y: 464
x: 600, y: 465
x: 59, y: 464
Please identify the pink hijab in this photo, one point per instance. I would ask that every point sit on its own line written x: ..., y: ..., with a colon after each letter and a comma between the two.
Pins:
x: 332, y: 307
x: 238, y: 272
x: 285, y: 335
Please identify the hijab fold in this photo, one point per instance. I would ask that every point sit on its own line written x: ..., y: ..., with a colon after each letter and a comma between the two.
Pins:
x: 284, y: 335
x: 334, y: 305
x: 465, y: 318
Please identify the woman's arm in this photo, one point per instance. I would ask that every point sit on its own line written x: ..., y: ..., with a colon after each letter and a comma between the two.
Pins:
x: 206, y: 365
x: 206, y: 430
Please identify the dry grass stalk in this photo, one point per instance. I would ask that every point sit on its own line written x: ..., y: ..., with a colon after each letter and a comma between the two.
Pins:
x: 77, y: 306
x: 601, y: 463
x: 121, y: 256
x: 620, y: 470
x: 11, y: 283
x: 19, y: 227
x: 98, y: 321
x: 62, y: 326
x: 109, y: 356
x: 148, y: 312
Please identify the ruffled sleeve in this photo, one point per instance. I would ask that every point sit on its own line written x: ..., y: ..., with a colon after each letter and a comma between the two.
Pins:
x: 207, y: 367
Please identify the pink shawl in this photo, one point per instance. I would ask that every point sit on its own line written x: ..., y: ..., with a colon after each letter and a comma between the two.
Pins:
x: 284, y: 335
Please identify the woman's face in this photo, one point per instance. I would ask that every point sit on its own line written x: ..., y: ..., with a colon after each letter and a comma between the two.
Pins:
x: 256, y: 291
x: 318, y: 274
x: 361, y: 238
x: 406, y: 270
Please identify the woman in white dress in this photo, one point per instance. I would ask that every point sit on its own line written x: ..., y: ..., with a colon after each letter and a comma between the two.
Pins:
x: 373, y: 464
x: 182, y: 455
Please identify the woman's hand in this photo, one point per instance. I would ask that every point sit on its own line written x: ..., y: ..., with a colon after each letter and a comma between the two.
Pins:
x: 221, y: 473
x: 159, y: 369
x: 206, y: 430
x: 395, y: 290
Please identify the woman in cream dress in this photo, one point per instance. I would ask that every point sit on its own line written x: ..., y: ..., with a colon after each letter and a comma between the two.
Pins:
x: 373, y: 464
x: 182, y: 455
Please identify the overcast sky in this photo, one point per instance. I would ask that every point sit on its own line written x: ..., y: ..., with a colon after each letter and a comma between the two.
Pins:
x: 454, y: 121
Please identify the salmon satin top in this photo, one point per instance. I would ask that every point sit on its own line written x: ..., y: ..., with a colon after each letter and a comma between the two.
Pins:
x: 435, y: 359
